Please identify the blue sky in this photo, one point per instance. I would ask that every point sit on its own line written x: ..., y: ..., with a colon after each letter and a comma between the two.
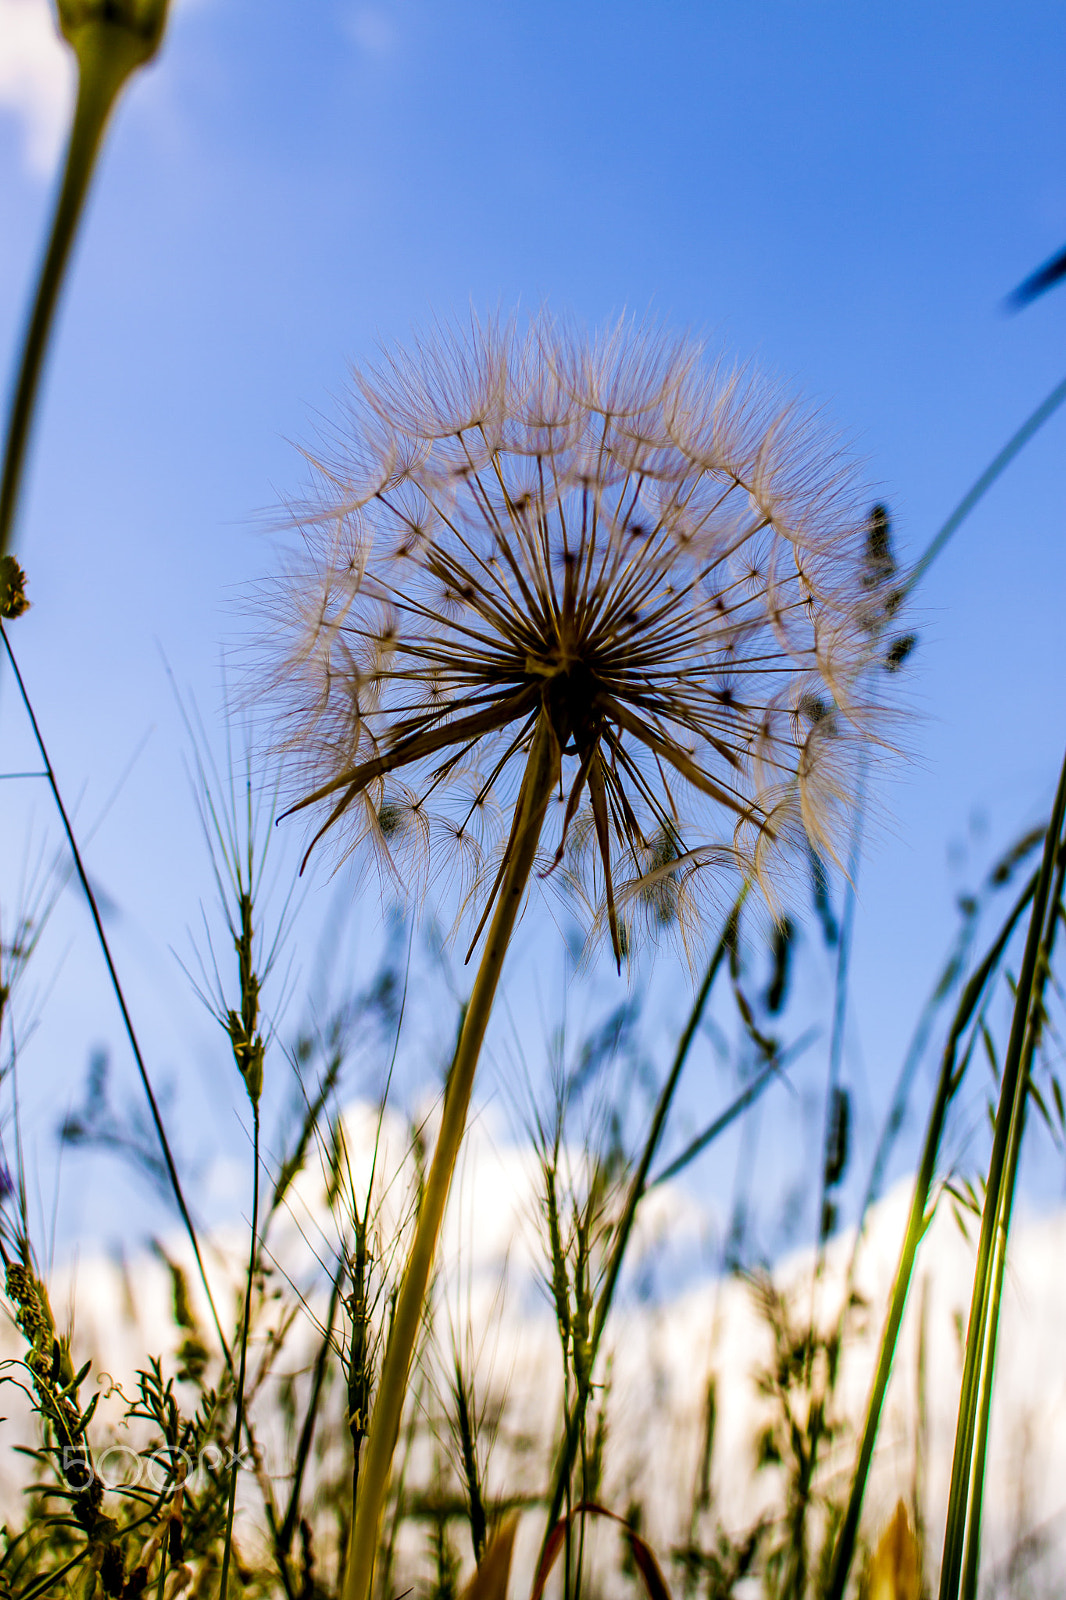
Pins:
x: 842, y: 192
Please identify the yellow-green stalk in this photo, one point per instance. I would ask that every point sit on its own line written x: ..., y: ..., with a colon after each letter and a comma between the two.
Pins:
x: 111, y: 39
x: 541, y: 773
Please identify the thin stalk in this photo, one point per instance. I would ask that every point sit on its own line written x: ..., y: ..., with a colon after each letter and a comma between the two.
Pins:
x: 537, y: 784
x: 989, y: 1323
x: 1013, y: 1084
x: 146, y: 1082
x: 1014, y: 1145
x: 105, y: 61
x: 973, y: 1529
x: 747, y: 1097
x: 637, y: 1187
x: 303, y: 1448
x: 845, y: 1547
x: 947, y: 1086
x: 836, y: 1058
x: 901, y: 1094
x: 238, y: 1424
x: 1032, y: 424
x: 836, y: 1042
x: 42, y: 1586
x: 161, y: 1581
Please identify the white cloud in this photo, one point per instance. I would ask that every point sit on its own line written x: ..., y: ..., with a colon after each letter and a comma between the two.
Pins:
x: 36, y: 79
x: 664, y: 1353
x: 374, y: 30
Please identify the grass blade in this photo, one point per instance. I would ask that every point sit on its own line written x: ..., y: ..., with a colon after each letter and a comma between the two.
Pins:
x: 1008, y: 1118
x: 947, y: 1085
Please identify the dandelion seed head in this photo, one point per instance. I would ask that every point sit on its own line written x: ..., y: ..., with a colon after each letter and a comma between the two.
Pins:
x: 655, y: 556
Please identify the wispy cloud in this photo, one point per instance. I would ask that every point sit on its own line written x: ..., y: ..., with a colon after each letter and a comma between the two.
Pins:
x: 36, y: 80
x: 373, y: 29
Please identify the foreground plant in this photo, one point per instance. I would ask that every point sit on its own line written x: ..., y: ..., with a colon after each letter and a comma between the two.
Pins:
x: 962, y: 1535
x: 585, y: 578
x: 110, y: 39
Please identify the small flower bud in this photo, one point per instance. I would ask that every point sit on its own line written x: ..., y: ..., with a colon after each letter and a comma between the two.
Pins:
x: 89, y: 24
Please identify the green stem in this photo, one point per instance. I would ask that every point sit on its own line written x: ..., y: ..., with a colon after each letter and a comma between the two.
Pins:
x: 1032, y: 424
x: 973, y: 1531
x: 1013, y: 1084
x: 283, y: 1543
x: 238, y: 1424
x: 836, y: 1041
x: 541, y: 771
x: 747, y: 1097
x: 916, y: 1224
x: 1006, y: 1206
x: 107, y: 54
x: 637, y: 1187
x: 146, y: 1082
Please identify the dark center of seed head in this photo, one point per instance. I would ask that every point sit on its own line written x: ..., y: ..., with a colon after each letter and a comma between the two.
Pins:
x: 570, y: 699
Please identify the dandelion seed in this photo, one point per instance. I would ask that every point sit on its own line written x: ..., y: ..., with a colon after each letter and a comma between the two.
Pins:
x: 658, y: 566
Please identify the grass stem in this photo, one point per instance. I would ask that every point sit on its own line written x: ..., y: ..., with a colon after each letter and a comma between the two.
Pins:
x: 238, y: 1422
x: 994, y: 1292
x: 996, y: 467
x: 637, y: 1187
x: 146, y: 1082
x: 947, y: 1086
x: 1013, y: 1091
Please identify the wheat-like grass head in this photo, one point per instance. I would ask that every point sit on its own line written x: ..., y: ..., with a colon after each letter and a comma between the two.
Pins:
x: 659, y: 557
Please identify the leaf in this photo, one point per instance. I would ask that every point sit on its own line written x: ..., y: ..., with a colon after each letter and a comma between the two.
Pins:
x: 1041, y: 1106
x: 643, y: 1556
x: 552, y: 1545
x: 895, y: 1571
x: 492, y: 1576
x: 647, y: 1566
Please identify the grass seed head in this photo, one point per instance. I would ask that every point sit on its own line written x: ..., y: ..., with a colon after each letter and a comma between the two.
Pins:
x: 661, y: 560
x: 13, y: 601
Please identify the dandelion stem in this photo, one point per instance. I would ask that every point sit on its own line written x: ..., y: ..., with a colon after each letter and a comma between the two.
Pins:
x: 102, y: 70
x: 538, y: 781
x: 153, y: 1104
